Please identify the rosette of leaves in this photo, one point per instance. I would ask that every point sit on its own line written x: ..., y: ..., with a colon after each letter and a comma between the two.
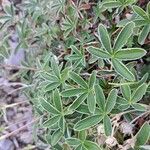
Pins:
x: 83, y: 91
x: 132, y: 98
x: 9, y: 17
x: 141, y: 18
x: 116, y: 54
x: 143, y: 21
x: 76, y: 57
x: 55, y: 77
x: 56, y: 122
x: 105, y: 107
x: 82, y: 143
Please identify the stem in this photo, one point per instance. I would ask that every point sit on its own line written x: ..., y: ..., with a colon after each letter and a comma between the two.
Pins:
x: 143, y: 114
x: 12, y: 105
x: 6, y: 66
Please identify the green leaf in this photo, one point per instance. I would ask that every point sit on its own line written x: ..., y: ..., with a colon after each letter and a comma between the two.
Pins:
x: 104, y: 38
x: 144, y: 33
x: 61, y: 124
x: 78, y: 101
x: 68, y: 25
x: 57, y: 100
x: 143, y: 135
x: 130, y: 53
x: 56, y: 136
x: 75, y: 77
x: 83, y: 109
x: 48, y: 107
x: 122, y: 70
x: 140, y: 22
x: 140, y: 12
x: 112, y: 4
x: 50, y: 122
x: 138, y: 107
x: 123, y: 36
x: 55, y: 67
x: 82, y: 135
x: 73, y: 92
x: 92, y: 80
x: 148, y: 9
x: 91, y: 145
x: 91, y: 102
x: 100, y: 97
x: 126, y: 91
x: 111, y: 100
x: 73, y: 141
x: 79, y: 147
x: 75, y: 50
x: 98, y: 52
x: 52, y: 86
x: 64, y: 75
x: 107, y: 125
x: 139, y: 93
x: 87, y: 122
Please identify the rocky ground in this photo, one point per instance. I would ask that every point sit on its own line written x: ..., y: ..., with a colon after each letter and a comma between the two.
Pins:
x: 15, y: 113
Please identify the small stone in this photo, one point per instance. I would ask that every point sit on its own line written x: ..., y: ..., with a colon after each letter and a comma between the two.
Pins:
x: 6, y: 145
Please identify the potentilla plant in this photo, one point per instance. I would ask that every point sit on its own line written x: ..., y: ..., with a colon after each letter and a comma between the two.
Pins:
x: 83, y: 73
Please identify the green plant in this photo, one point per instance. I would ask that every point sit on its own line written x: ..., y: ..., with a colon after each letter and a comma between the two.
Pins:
x: 82, y: 72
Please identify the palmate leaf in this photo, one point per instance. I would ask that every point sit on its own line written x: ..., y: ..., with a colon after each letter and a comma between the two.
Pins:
x: 73, y: 92
x: 140, y: 12
x: 52, y: 86
x: 100, y: 97
x: 87, y: 122
x: 98, y: 52
x: 73, y: 141
x: 80, y: 147
x: 78, y: 101
x: 56, y: 136
x: 91, y: 145
x: 138, y: 107
x: 92, y: 80
x: 130, y: 53
x: 112, y: 4
x: 111, y: 101
x: 82, y: 135
x: 139, y: 93
x: 107, y: 125
x: 122, y: 70
x: 48, y: 107
x: 58, y: 5
x: 148, y: 9
x: 143, y: 34
x: 76, y: 56
x: 91, y: 102
x: 143, y: 135
x: 123, y: 36
x: 126, y: 91
x: 104, y: 38
x: 61, y: 124
x: 50, y: 122
x: 75, y: 50
x: 68, y: 25
x: 57, y: 100
x: 75, y: 77
x: 83, y: 109
x: 55, y: 67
